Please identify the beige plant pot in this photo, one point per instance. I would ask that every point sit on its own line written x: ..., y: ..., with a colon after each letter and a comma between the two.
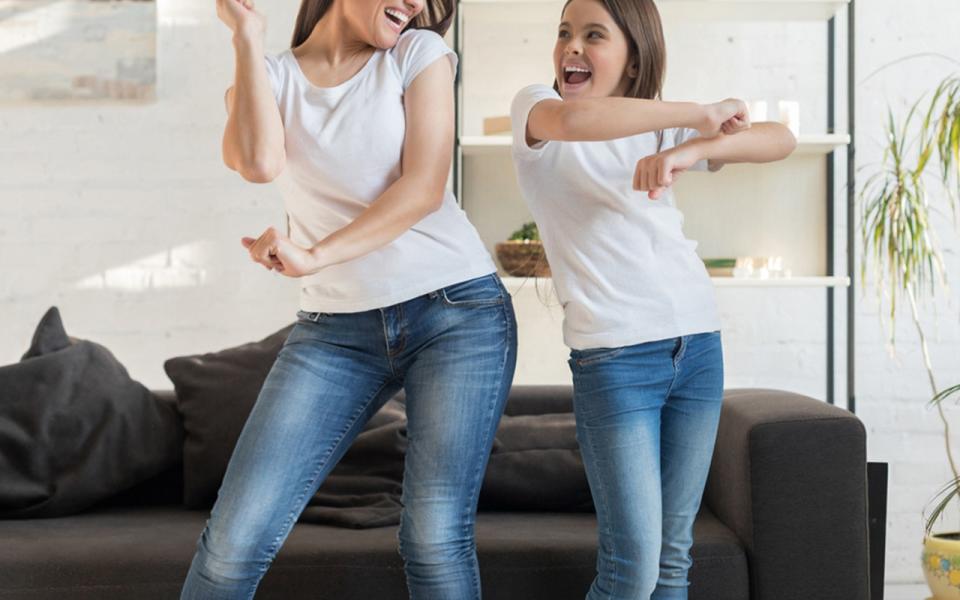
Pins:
x: 941, y: 565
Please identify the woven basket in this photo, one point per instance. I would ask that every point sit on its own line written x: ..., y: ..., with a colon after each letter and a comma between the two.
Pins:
x: 523, y: 259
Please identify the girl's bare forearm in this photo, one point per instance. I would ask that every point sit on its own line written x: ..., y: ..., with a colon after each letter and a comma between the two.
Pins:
x: 763, y: 142
x: 598, y: 119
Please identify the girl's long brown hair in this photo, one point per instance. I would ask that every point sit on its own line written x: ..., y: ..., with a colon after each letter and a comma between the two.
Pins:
x: 640, y: 22
x: 437, y: 15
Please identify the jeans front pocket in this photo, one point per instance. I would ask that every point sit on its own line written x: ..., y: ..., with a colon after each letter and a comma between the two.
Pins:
x: 482, y: 291
x: 591, y: 356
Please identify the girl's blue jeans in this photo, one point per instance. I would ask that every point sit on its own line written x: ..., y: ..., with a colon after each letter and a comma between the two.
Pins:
x: 647, y: 419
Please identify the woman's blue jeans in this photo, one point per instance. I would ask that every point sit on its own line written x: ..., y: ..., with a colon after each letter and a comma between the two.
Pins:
x: 453, y: 351
x: 647, y: 420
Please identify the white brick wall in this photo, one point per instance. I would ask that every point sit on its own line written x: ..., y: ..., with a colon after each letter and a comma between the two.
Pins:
x: 127, y: 220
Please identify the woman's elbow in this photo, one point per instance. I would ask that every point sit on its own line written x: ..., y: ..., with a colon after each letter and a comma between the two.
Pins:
x: 435, y: 199
x: 261, y: 170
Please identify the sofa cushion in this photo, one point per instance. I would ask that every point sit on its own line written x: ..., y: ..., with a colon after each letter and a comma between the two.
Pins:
x: 145, y: 553
x: 75, y: 429
x: 215, y: 393
x: 536, y: 465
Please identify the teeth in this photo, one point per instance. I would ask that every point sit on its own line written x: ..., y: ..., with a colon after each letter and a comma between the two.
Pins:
x: 575, y: 69
x: 398, y: 15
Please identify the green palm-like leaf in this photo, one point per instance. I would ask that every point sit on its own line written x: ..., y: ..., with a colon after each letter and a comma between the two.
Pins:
x: 942, y: 499
x: 947, y: 393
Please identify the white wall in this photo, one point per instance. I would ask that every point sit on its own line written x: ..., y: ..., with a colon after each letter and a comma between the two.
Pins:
x: 126, y: 219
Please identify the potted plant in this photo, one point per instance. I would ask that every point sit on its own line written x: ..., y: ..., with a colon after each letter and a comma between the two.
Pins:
x: 522, y: 255
x: 898, y: 237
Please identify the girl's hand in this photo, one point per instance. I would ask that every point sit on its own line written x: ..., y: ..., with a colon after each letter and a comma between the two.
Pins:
x: 657, y: 172
x: 277, y: 252
x: 729, y: 117
x: 241, y: 17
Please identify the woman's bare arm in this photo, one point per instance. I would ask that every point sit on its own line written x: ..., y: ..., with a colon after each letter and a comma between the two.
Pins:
x: 419, y: 191
x: 253, y: 139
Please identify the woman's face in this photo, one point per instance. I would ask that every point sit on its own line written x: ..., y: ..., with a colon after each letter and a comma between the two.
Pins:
x: 380, y: 22
x: 591, y: 55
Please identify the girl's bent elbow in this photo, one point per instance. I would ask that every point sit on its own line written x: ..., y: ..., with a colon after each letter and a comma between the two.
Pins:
x: 789, y: 143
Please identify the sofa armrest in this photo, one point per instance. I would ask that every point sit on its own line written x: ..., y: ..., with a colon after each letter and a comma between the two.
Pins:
x: 789, y: 478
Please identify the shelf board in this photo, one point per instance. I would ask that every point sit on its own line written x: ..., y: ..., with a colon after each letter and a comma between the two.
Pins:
x: 728, y: 10
x: 823, y: 143
x: 478, y: 145
x: 792, y: 282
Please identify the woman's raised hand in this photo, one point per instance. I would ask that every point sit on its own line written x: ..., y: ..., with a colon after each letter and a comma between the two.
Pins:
x: 241, y: 17
x: 730, y: 116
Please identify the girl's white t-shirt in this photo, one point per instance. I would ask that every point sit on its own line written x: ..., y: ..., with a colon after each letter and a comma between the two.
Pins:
x: 343, y: 147
x: 623, y: 270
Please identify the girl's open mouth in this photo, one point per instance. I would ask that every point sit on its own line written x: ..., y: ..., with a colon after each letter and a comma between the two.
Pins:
x: 575, y: 75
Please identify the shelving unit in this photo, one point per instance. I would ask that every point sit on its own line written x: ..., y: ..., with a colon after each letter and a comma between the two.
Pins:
x: 485, y: 183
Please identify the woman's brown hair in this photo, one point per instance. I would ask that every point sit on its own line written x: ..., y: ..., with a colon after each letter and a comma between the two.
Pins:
x: 437, y: 15
x: 639, y: 20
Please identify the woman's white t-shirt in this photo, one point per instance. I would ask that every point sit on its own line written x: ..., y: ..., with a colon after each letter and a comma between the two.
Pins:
x: 623, y: 270
x: 343, y: 147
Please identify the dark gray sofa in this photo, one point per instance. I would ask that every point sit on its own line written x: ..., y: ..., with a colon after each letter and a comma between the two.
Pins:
x: 784, y: 518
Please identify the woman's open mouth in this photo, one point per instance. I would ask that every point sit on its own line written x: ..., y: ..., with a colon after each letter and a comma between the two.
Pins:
x: 397, y: 19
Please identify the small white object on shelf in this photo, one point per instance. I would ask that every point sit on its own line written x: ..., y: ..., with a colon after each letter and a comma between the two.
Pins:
x: 788, y: 113
x: 763, y: 268
x: 758, y: 110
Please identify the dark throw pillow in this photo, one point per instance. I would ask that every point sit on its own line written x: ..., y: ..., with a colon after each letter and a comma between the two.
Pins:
x: 536, y: 465
x: 75, y: 429
x: 215, y: 393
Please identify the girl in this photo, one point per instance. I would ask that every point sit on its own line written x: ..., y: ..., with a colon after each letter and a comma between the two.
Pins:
x: 397, y: 289
x: 639, y: 310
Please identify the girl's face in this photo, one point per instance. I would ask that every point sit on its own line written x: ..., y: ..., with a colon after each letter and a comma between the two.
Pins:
x: 380, y: 22
x: 592, y: 54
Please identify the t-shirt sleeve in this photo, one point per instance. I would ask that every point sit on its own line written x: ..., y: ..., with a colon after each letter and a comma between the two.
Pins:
x: 274, y: 74
x: 520, y: 109
x: 416, y: 50
x: 681, y: 135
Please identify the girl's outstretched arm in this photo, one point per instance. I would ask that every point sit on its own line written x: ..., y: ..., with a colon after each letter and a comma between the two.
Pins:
x: 597, y: 119
x: 763, y: 142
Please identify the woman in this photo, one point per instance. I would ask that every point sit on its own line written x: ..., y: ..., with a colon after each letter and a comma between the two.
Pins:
x: 397, y: 289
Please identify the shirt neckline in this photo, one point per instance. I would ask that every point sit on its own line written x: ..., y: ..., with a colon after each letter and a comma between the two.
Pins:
x: 327, y: 89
